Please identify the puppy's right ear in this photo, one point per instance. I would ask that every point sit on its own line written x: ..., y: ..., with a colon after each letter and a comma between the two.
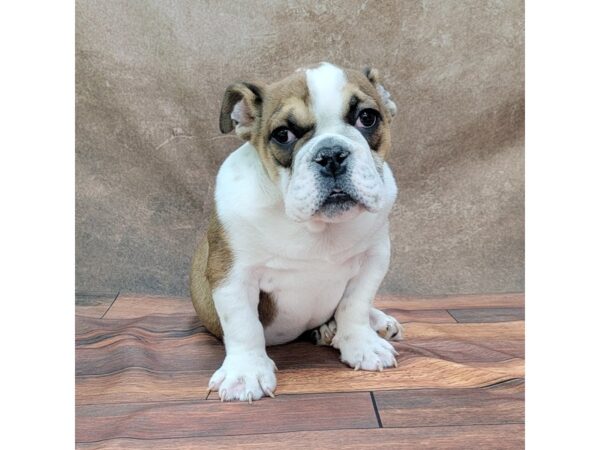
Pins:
x: 373, y: 76
x: 242, y: 106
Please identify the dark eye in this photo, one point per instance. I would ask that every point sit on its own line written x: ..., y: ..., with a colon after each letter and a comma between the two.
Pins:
x: 367, y: 118
x: 283, y: 136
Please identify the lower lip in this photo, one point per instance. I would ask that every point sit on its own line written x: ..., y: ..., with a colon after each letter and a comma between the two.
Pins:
x: 338, y: 198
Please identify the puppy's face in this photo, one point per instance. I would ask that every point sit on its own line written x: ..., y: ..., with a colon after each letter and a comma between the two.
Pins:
x: 322, y: 135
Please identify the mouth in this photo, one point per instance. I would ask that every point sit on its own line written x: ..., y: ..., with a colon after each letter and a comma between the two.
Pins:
x: 337, y: 196
x: 337, y: 203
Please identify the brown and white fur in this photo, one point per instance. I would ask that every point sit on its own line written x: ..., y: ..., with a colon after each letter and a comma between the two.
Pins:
x: 299, y: 239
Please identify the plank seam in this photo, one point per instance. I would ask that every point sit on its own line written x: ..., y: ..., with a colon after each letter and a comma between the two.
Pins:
x: 376, y: 409
x: 452, y: 315
x: 112, y: 303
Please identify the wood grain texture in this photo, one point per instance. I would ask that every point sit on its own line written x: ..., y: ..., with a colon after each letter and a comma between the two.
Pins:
x: 496, y: 437
x: 424, y: 316
x: 482, y: 315
x: 136, y: 385
x: 513, y: 300
x: 411, y: 374
x: 496, y: 404
x: 139, y: 385
x: 213, y: 418
x: 128, y: 306
x: 465, y: 331
x: 142, y: 372
x: 93, y: 305
x: 138, y: 305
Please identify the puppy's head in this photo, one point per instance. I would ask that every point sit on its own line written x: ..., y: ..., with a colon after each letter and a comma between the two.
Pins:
x: 322, y: 135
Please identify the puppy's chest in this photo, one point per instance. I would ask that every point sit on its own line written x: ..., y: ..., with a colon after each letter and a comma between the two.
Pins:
x: 306, y: 294
x: 280, y: 275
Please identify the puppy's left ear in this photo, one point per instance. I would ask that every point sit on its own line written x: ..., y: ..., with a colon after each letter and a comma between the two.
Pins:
x: 373, y: 76
x: 242, y: 105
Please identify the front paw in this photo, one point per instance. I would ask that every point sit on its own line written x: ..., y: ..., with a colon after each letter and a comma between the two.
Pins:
x: 244, y: 377
x: 364, y: 349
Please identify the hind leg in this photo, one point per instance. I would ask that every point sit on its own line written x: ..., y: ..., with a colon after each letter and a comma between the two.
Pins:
x: 386, y: 326
x: 324, y: 334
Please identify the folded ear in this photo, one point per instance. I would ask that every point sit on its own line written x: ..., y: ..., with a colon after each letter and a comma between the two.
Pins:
x: 373, y: 76
x: 242, y: 105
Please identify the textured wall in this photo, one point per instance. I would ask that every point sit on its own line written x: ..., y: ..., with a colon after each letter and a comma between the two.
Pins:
x: 150, y: 76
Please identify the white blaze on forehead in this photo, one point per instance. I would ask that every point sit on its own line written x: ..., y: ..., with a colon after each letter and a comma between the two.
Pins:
x: 325, y: 84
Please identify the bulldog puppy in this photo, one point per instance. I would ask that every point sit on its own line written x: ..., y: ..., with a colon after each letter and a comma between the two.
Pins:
x: 299, y: 239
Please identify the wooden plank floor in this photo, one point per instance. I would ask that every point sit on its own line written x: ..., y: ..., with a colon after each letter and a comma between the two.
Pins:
x: 143, y: 364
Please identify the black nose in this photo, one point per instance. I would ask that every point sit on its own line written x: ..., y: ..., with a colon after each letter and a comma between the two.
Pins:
x: 332, y: 160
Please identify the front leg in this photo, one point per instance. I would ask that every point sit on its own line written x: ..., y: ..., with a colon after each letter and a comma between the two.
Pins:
x: 359, y: 344
x: 247, y: 373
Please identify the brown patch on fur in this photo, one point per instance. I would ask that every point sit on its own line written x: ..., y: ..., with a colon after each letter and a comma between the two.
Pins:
x: 267, y: 308
x: 282, y: 98
x: 211, y: 263
x: 259, y: 101
x: 364, y: 88
x: 291, y: 110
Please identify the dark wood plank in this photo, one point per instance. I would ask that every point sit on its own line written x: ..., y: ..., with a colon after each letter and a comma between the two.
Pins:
x: 497, y: 404
x: 93, y: 305
x: 483, y: 315
x: 213, y: 418
x: 512, y: 300
x: 496, y: 437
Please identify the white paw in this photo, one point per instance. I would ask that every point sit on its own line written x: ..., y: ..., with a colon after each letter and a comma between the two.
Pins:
x: 386, y: 326
x: 244, y: 377
x: 390, y: 329
x: 363, y: 349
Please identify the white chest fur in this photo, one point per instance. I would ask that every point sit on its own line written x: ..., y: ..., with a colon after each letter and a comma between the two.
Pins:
x: 306, y: 295
x: 306, y: 272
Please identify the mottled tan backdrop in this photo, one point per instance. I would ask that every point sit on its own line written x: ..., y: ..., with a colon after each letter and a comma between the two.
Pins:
x: 150, y: 76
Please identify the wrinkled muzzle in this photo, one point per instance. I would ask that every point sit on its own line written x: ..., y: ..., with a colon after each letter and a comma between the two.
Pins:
x: 332, y: 176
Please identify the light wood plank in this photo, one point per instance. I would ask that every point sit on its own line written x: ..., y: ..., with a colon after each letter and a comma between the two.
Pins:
x: 466, y: 331
x: 415, y: 373
x: 423, y: 316
x: 137, y: 305
x: 512, y: 300
x: 131, y: 306
x: 136, y: 385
